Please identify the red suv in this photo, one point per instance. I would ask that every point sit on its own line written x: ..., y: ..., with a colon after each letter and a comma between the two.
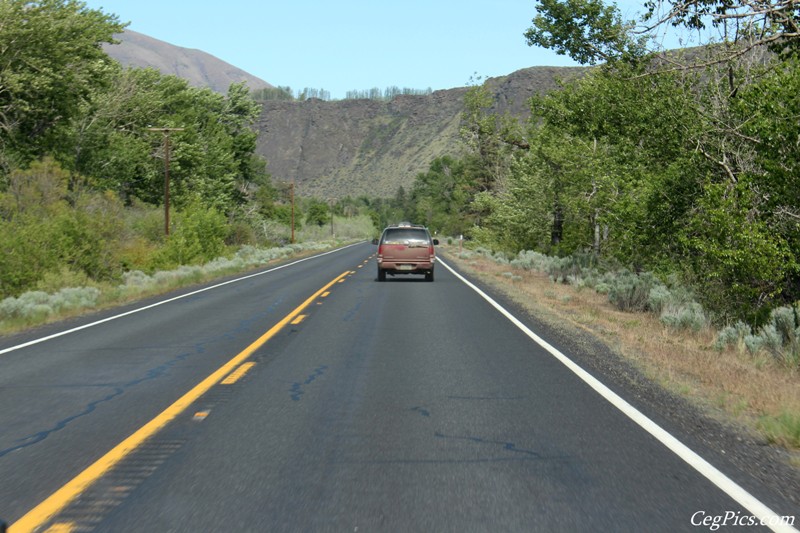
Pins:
x: 406, y: 249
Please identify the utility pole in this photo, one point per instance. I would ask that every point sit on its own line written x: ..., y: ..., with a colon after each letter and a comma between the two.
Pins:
x: 165, y: 132
x: 292, y: 196
x: 331, y: 201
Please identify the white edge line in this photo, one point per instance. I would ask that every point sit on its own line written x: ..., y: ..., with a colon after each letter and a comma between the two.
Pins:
x: 723, y: 482
x: 162, y: 302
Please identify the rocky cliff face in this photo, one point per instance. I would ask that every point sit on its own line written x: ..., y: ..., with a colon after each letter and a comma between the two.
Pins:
x: 355, y: 147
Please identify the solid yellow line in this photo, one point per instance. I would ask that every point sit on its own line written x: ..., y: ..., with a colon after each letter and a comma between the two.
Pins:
x: 63, y: 496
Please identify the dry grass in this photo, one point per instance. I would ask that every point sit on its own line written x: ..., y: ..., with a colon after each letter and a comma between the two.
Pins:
x: 753, y: 393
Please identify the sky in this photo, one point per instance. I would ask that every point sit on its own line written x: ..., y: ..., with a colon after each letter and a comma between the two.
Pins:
x: 348, y: 45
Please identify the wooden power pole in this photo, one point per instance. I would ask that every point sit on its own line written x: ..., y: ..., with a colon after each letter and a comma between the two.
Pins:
x: 165, y: 132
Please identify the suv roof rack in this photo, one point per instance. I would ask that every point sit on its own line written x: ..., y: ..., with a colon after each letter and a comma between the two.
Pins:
x: 405, y: 225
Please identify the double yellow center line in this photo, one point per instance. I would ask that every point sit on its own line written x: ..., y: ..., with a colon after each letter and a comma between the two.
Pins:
x: 57, y: 501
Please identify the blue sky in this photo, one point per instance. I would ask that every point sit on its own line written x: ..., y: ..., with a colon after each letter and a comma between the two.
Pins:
x: 347, y: 45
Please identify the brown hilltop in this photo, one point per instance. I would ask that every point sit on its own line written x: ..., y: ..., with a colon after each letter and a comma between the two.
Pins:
x: 197, y: 67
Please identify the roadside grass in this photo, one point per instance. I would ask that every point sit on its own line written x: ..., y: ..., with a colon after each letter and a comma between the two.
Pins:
x: 66, y: 293
x: 39, y: 307
x: 758, y: 392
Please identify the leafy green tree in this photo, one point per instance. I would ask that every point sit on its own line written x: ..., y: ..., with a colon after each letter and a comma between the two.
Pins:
x: 317, y: 213
x: 442, y: 196
x: 592, y: 146
x: 735, y: 260
x: 239, y: 113
x: 50, y: 63
x: 213, y: 156
x: 109, y: 143
x: 589, y: 31
x: 769, y: 109
x: 489, y: 138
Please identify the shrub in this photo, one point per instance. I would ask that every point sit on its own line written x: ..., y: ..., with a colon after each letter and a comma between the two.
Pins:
x: 75, y: 298
x: 630, y: 292
x: 754, y: 343
x: 199, y: 235
x: 66, y: 277
x: 685, y: 316
x: 733, y: 336
x: 658, y: 299
x: 602, y: 288
x: 39, y: 304
x: 785, y: 321
x: 780, y: 336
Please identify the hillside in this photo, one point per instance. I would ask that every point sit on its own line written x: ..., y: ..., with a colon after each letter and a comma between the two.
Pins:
x: 341, y: 148
x: 353, y: 147
x: 198, y: 68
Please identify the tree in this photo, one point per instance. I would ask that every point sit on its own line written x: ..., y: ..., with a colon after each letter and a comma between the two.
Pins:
x: 775, y: 23
x: 589, y: 31
x: 213, y: 157
x: 738, y: 263
x: 317, y: 213
x: 443, y: 196
x: 489, y: 137
x: 50, y: 62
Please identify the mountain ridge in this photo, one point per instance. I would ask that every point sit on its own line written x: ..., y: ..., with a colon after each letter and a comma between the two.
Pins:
x: 199, y: 68
x: 338, y: 148
x: 352, y: 147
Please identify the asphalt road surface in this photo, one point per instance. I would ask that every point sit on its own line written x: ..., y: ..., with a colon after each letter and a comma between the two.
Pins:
x: 313, y: 398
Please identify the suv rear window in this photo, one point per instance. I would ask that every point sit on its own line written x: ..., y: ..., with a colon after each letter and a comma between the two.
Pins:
x: 405, y: 236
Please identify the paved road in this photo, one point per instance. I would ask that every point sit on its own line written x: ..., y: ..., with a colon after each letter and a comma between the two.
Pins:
x: 364, y: 406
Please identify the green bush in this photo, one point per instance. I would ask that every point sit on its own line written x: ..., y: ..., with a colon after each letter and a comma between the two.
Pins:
x: 199, y: 235
x: 39, y: 304
x: 733, y: 336
x: 780, y: 336
x: 630, y: 292
x: 737, y: 262
x: 658, y: 299
x: 684, y: 316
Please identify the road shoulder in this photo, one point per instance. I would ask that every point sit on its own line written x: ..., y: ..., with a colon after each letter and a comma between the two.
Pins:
x: 732, y: 445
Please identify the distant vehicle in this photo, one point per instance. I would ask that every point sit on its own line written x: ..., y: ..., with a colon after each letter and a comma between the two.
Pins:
x: 406, y: 248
